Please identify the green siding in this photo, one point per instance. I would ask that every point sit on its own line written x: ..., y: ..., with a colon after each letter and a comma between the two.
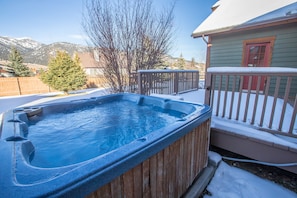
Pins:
x: 227, y: 49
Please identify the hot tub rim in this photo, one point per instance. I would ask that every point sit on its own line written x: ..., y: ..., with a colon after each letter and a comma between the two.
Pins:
x: 91, y: 177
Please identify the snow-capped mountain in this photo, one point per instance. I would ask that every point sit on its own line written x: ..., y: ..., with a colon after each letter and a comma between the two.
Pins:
x: 22, y: 44
x: 42, y: 54
x: 39, y: 53
x: 35, y: 52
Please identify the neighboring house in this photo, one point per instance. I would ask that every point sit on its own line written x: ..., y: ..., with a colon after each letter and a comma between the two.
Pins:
x: 91, y: 63
x: 5, y: 71
x: 251, y: 33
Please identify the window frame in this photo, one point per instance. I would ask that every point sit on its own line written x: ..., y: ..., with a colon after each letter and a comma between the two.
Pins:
x: 258, y: 41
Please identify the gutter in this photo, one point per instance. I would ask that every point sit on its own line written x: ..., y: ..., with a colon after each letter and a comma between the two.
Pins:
x: 207, y: 42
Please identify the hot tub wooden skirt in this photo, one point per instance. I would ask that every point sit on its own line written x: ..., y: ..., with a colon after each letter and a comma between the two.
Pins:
x: 169, y: 173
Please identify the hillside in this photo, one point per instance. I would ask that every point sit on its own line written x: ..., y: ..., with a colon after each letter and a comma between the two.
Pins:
x: 35, y: 52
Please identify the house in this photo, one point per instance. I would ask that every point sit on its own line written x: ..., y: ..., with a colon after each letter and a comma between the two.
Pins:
x: 5, y: 71
x: 241, y: 33
x: 91, y: 63
x: 252, y: 33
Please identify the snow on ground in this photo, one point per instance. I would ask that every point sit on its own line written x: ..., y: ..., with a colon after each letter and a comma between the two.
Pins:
x: 228, y: 181
x: 233, y: 182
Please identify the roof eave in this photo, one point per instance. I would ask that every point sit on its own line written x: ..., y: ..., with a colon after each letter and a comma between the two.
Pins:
x: 209, y: 32
x: 249, y: 26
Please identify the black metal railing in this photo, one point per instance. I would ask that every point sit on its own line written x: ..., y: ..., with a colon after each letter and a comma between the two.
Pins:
x: 164, y: 81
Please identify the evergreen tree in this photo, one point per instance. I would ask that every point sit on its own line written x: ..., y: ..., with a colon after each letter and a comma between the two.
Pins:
x: 64, y: 74
x: 76, y: 59
x: 181, y: 63
x: 193, y: 62
x: 16, y: 64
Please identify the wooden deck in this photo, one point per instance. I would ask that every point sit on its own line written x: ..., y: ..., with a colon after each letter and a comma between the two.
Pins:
x: 260, y: 111
x: 255, y: 148
x: 247, y: 119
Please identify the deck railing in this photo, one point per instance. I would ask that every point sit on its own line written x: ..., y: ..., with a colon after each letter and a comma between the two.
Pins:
x: 262, y: 97
x: 164, y: 81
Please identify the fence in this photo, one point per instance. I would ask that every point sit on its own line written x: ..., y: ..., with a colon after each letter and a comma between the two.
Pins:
x: 263, y: 97
x: 164, y: 81
x: 33, y: 85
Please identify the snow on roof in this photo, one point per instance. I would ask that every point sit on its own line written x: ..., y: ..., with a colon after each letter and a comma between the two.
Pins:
x: 232, y: 14
x: 216, y: 4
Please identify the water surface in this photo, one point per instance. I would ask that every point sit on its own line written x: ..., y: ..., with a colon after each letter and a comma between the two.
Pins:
x: 77, y: 135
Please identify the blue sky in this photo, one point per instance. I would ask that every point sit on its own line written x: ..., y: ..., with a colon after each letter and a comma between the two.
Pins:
x: 49, y: 21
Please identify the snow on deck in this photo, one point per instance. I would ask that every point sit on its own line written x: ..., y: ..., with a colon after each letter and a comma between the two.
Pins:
x: 242, y: 128
x: 237, y: 127
x: 252, y: 70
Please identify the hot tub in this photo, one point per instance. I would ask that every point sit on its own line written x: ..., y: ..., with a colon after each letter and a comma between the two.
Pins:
x: 117, y: 145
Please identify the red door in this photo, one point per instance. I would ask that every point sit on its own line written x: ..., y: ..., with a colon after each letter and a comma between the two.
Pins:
x: 256, y: 55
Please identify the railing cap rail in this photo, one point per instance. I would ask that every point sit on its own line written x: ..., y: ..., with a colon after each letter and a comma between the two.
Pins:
x: 256, y: 70
x: 165, y: 71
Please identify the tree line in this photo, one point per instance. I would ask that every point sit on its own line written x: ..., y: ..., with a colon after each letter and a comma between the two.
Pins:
x: 63, y: 73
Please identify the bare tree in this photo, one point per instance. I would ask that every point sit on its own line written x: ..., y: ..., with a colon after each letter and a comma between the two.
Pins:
x: 129, y: 34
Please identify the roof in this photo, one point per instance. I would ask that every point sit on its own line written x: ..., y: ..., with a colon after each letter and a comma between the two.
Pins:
x: 87, y: 60
x: 237, y: 14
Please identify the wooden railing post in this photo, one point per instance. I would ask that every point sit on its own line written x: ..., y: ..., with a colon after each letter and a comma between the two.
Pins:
x: 20, y: 91
x: 208, y: 88
x: 249, y: 96
x: 293, y: 119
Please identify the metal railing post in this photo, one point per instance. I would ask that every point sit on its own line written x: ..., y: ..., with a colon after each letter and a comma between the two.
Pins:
x: 176, y: 78
x: 139, y: 80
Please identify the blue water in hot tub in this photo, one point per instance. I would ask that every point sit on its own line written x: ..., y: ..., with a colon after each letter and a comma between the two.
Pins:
x: 74, y: 136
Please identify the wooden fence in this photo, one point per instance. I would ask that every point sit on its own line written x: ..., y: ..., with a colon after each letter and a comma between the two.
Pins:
x: 33, y: 85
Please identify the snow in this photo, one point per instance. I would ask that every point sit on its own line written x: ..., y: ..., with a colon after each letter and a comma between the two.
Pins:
x: 233, y: 13
x: 25, y: 42
x: 233, y: 182
x: 214, y: 157
x: 252, y: 69
x: 286, y: 11
x: 172, y: 97
x: 251, y: 101
x: 243, y: 128
x: 249, y: 132
x: 228, y: 181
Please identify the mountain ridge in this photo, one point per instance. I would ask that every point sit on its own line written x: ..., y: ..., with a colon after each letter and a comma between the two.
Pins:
x: 36, y: 52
